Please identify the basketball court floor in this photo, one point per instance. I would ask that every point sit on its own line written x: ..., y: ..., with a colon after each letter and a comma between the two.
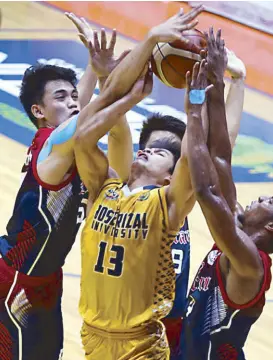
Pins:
x: 37, y: 22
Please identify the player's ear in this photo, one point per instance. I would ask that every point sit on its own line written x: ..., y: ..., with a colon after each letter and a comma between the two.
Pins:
x: 37, y: 112
x: 167, y: 180
x: 269, y: 227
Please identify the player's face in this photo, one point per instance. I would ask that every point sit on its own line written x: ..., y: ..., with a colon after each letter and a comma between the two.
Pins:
x: 259, y: 213
x: 157, y: 162
x: 60, y: 102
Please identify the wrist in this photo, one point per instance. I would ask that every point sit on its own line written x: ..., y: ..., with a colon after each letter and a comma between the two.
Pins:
x: 197, y: 96
x: 152, y: 38
x: 219, y: 85
x: 195, y: 110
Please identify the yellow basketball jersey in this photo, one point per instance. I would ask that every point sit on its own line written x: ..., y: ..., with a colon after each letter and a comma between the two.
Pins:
x: 127, y: 271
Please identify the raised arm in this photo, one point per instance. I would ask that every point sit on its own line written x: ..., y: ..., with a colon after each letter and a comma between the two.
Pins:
x: 87, y: 83
x: 125, y: 74
x: 235, y: 97
x: 235, y: 244
x: 218, y: 139
x: 121, y: 80
x: 91, y: 161
x: 57, y: 155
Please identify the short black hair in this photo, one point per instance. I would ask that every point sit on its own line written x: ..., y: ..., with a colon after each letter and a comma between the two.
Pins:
x: 34, y: 81
x: 162, y: 123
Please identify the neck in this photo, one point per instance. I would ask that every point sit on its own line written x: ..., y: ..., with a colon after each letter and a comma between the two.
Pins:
x: 140, y: 181
x: 259, y: 238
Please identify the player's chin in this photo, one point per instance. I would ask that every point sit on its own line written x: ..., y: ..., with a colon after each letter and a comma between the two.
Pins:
x: 141, y: 160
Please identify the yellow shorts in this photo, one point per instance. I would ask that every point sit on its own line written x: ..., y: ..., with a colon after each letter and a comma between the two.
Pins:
x: 138, y: 344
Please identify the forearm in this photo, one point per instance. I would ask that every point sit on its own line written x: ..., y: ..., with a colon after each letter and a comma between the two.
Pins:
x: 120, y: 148
x: 234, y: 107
x: 202, y: 170
x: 218, y: 140
x: 129, y: 69
x: 86, y: 86
x: 102, y: 121
x: 219, y: 144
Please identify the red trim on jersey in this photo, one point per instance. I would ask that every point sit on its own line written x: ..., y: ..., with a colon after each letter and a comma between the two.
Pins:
x: 37, y: 145
x: 29, y: 280
x: 260, y: 296
x: 173, y: 331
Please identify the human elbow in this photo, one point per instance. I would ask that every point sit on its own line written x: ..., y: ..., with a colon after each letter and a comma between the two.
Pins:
x: 202, y: 193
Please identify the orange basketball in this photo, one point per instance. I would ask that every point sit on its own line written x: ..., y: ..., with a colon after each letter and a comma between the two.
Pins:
x: 171, y: 61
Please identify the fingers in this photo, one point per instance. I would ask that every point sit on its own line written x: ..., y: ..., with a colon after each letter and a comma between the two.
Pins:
x: 91, y: 49
x: 208, y: 88
x: 203, y: 71
x: 211, y: 36
x: 195, y: 71
x: 124, y: 54
x: 76, y: 21
x: 189, y: 26
x: 222, y: 45
x: 148, y: 85
x: 218, y: 37
x: 83, y: 40
x: 103, y: 41
x: 203, y: 54
x: 181, y: 12
x: 96, y: 41
x: 188, y: 80
x: 193, y: 14
x: 113, y: 40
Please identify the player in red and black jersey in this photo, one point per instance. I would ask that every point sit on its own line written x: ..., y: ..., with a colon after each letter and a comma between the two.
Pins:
x: 228, y: 293
x: 50, y: 204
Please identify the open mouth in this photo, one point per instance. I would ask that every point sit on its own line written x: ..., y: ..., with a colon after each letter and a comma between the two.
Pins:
x: 75, y: 112
x: 143, y: 156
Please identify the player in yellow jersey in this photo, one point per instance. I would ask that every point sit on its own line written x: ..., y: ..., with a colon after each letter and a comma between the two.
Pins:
x: 128, y: 279
x: 127, y: 282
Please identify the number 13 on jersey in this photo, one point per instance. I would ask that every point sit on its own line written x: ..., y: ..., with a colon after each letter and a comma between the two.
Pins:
x: 116, y: 259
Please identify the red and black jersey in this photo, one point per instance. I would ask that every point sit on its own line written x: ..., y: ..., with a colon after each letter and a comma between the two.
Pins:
x: 45, y: 218
x: 214, y: 327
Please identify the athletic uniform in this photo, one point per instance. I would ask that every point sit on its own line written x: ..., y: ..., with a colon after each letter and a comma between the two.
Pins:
x: 128, y: 277
x: 181, y: 261
x: 40, y: 234
x: 214, y: 328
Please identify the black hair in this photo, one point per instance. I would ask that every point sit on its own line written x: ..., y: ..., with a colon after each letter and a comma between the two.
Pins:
x: 34, y: 81
x: 162, y: 123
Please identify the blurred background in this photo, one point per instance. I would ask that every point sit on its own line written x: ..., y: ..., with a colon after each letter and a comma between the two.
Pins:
x: 39, y: 32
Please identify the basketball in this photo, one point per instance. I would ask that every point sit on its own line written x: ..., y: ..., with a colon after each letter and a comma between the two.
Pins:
x: 171, y: 61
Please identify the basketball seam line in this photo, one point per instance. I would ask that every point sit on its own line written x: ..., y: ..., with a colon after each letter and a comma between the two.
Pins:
x: 165, y: 58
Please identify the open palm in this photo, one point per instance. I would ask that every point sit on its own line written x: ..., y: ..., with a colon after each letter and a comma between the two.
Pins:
x: 101, y: 56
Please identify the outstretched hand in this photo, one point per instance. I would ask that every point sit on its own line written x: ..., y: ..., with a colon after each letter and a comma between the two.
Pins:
x: 101, y: 56
x: 216, y: 56
x: 173, y: 28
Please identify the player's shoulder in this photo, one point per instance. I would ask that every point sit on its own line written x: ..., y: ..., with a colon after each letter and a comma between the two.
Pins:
x: 39, y: 139
x: 37, y: 143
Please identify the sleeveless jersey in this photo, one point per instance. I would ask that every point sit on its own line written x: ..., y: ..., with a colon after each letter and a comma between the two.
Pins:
x: 45, y: 218
x: 181, y: 260
x: 215, y: 328
x: 128, y: 276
